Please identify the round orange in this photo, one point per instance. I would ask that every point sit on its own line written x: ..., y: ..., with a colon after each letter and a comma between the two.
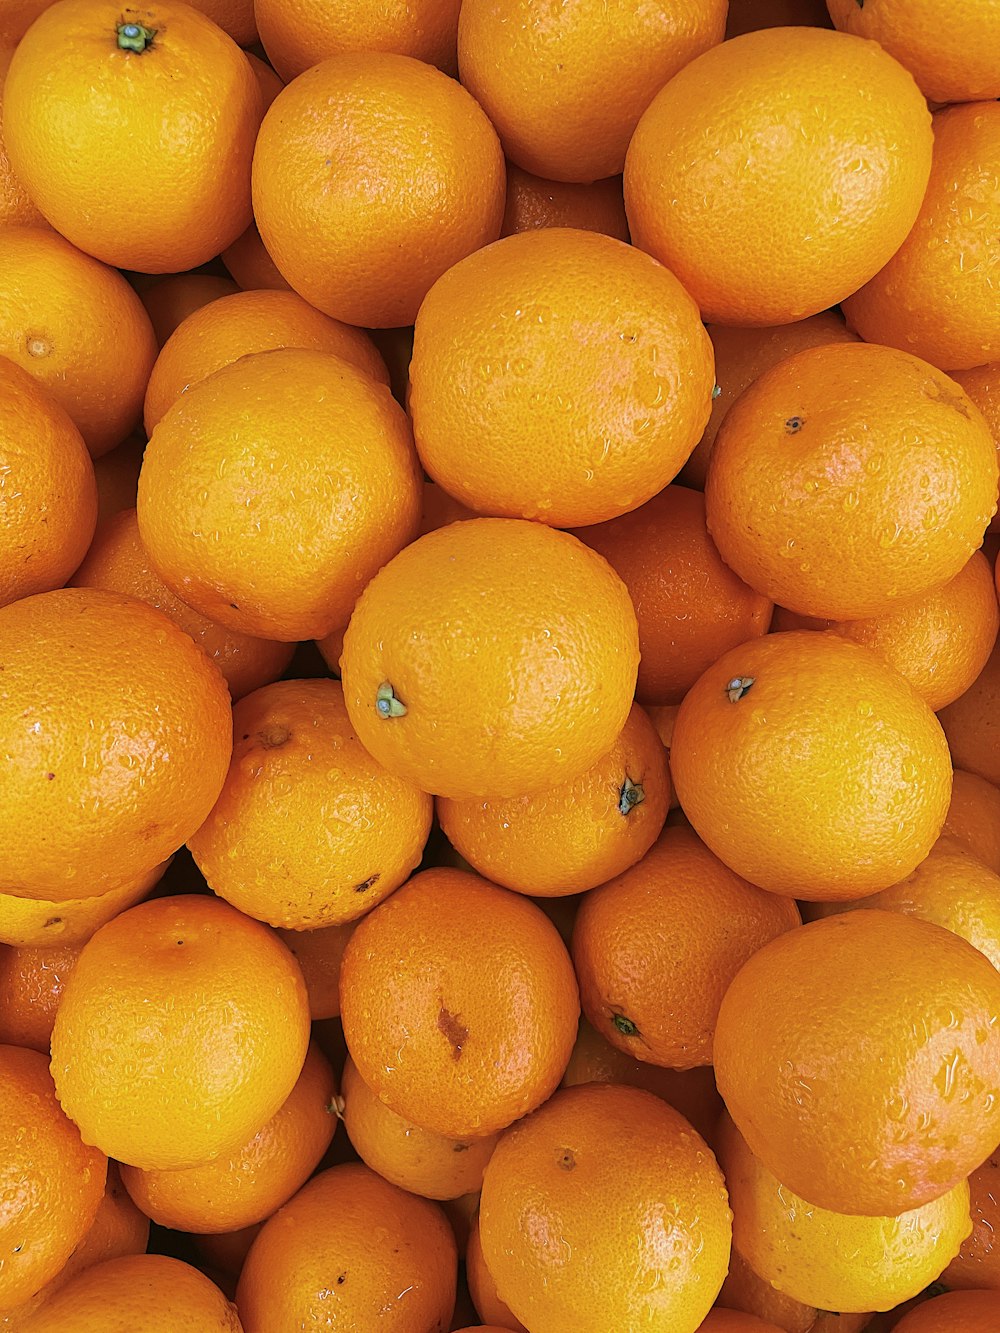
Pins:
x: 954, y: 1312
x: 17, y: 17
x: 982, y: 384
x: 31, y: 984
x: 236, y: 17
x: 483, y: 1289
x: 972, y: 724
x: 978, y: 1262
x: 320, y: 953
x: 117, y: 475
x: 269, y: 81
x: 16, y: 209
x: 974, y: 816
x: 170, y: 300
x: 535, y: 202
x: 250, y: 265
x: 744, y: 1291
x: 39, y: 923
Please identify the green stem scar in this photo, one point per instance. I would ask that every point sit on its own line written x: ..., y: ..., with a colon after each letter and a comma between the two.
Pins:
x: 630, y: 795
x: 625, y: 1025
x: 386, y: 702
x: 737, y: 687
x: 134, y: 37
x: 717, y: 391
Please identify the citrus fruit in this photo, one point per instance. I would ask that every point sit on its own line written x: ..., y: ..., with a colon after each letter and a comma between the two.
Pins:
x: 169, y: 301
x: 16, y: 209
x: 249, y: 264
x: 483, y: 1289
x: 117, y: 475
x: 972, y: 724
x: 320, y: 953
x: 734, y: 1321
x: 954, y: 1312
x: 745, y: 1292
x: 17, y: 17
x: 978, y: 1262
x: 974, y: 816
x: 31, y: 983
x: 38, y: 923
x: 233, y: 16
x: 534, y: 202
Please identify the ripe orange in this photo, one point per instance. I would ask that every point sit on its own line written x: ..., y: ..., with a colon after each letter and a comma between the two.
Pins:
x: 170, y: 300
x: 250, y: 265
x: 860, y: 1059
x: 848, y: 170
x: 388, y: 1263
x: 179, y: 1003
x: 93, y: 86
x: 269, y: 81
x: 294, y: 456
x: 38, y: 923
x: 572, y: 1217
x: 117, y: 475
x: 734, y: 1321
x: 439, y: 510
x: 31, y: 983
x: 16, y: 18
x: 749, y: 15
x: 226, y: 1252
x: 566, y: 84
x: 534, y: 202
x: 745, y: 1292
x: 974, y: 816
x: 972, y: 724
x: 16, y: 209
x: 373, y: 174
x: 982, y: 384
x: 435, y: 1044
x: 320, y: 953
x: 494, y: 629
x: 978, y: 1262
x: 954, y: 1312
x: 559, y: 375
x: 936, y: 296
x: 483, y: 1289
x: 119, y: 733
x: 864, y: 450
x: 236, y: 17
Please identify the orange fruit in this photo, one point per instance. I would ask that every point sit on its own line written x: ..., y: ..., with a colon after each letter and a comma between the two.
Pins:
x: 535, y: 202
x: 180, y: 1002
x: 982, y: 384
x: 320, y: 953
x: 868, y: 792
x: 750, y: 15
x: 572, y: 1223
x: 52, y: 1182
x: 121, y: 77
x: 656, y: 948
x: 439, y: 510
x: 860, y: 1059
x: 954, y: 1312
x: 744, y: 1292
x: 935, y: 297
x: 559, y: 375
x: 301, y: 1271
x: 416, y: 183
x: 170, y: 300
x: 17, y: 17
x: 848, y: 171
x: 269, y: 81
x: 65, y: 319
x: 38, y: 923
x: 734, y: 1321
x: 565, y: 85
x: 31, y: 983
x: 246, y: 322
x: 483, y: 1289
x: 250, y: 265
x: 226, y: 1251
x: 129, y: 718
x: 427, y: 1037
x: 576, y: 834
x: 974, y: 816
x: 978, y: 1262
x: 247, y: 1185
x: 117, y: 475
x: 236, y: 17
x: 494, y: 628
x: 864, y: 450
x: 309, y: 830
x: 972, y: 724
x: 16, y: 209
x: 292, y: 454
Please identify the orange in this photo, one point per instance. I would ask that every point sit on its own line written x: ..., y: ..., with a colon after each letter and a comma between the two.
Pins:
x: 320, y: 953
x: 226, y: 1251
x: 246, y: 1186
x: 656, y: 949
x: 250, y: 265
x: 534, y: 202
x: 811, y: 768
x: 415, y: 1159
x: 268, y: 81
x: 117, y: 475
x: 982, y: 384
x: 52, y: 1183
x: 577, y: 834
x: 733, y: 1321
x: 440, y: 509
x: 955, y: 1312
x: 744, y: 1291
x: 17, y: 17
x: 170, y: 300
x: 494, y: 630
x: 105, y: 706
x: 978, y: 1262
x: 373, y: 174
x: 972, y: 724
x: 566, y: 84
x: 483, y: 1289
x: 936, y: 297
x: 396, y: 1278
x: 92, y: 83
x: 847, y: 169
x: 31, y: 983
x: 16, y: 209
x: 749, y: 15
x: 690, y: 606
x: 864, y: 450
x: 396, y: 349
x: 259, y: 321
x: 309, y: 830
x: 30, y: 923
x: 179, y: 1003
x: 78, y: 328
x: 272, y: 491
x: 236, y: 17
x: 436, y: 1044
x: 860, y: 1059
x: 573, y: 1223
x: 974, y: 816
x: 559, y: 375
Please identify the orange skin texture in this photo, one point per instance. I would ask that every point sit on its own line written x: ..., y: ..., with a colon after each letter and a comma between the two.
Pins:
x: 440, y: 509
x: 65, y: 318
x: 273, y: 490
x: 867, y: 795
x: 248, y: 322
x: 860, y: 1058
x: 320, y: 953
x: 417, y: 183
x: 936, y: 297
x: 978, y: 1262
x: 309, y: 830
x: 117, y: 475
x: 955, y: 1312
x: 982, y: 384
x: 655, y: 949
x: 483, y: 1289
x: 744, y: 1291
x: 513, y: 349
x: 181, y: 1031
x: 250, y: 265
x: 403, y: 1281
x: 576, y: 835
x: 690, y: 606
x: 974, y: 816
x: 48, y: 503
x: 269, y: 82
x: 132, y: 719
x: 565, y: 85
x: 31, y: 983
x: 502, y: 698
x: 591, y: 1171
x: 843, y: 160
x: 431, y: 1165
x: 425, y: 1035
x: 535, y: 202
x: 247, y: 1186
x: 750, y: 15
x: 236, y: 17
x: 227, y: 1251
x: 30, y: 923
x: 192, y: 92
x: 865, y: 451
x: 170, y: 300
x: 17, y: 18
x: 972, y: 724
x: 16, y: 209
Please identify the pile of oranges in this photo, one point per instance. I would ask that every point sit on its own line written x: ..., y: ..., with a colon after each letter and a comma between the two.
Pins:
x: 499, y: 684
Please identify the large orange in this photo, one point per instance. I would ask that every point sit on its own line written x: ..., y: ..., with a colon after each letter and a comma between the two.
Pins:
x: 16, y: 209
x: 372, y: 175
x: 534, y: 202
x: 978, y: 1261
x: 170, y: 300
x: 972, y: 724
x: 954, y: 1312
x: 974, y: 816
x: 133, y: 130
x: 860, y: 1058
x: 31, y: 984
x: 180, y: 1032
x: 491, y: 658
x: 566, y: 84
x: 737, y: 160
x: 38, y: 923
x: 558, y: 375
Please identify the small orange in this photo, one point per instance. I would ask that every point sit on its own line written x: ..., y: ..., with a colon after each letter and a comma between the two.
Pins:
x: 954, y: 1312
x: 39, y: 923
x: 558, y: 375
x: 250, y: 265
x: 373, y: 174
x: 974, y: 816
x: 483, y: 1289
x: 972, y: 724
x: 978, y: 1261
x: 982, y: 384
x: 31, y: 984
x: 320, y: 953
x: 435, y: 1044
x: 16, y: 209
x: 170, y: 300
x: 117, y: 475
x: 534, y: 202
